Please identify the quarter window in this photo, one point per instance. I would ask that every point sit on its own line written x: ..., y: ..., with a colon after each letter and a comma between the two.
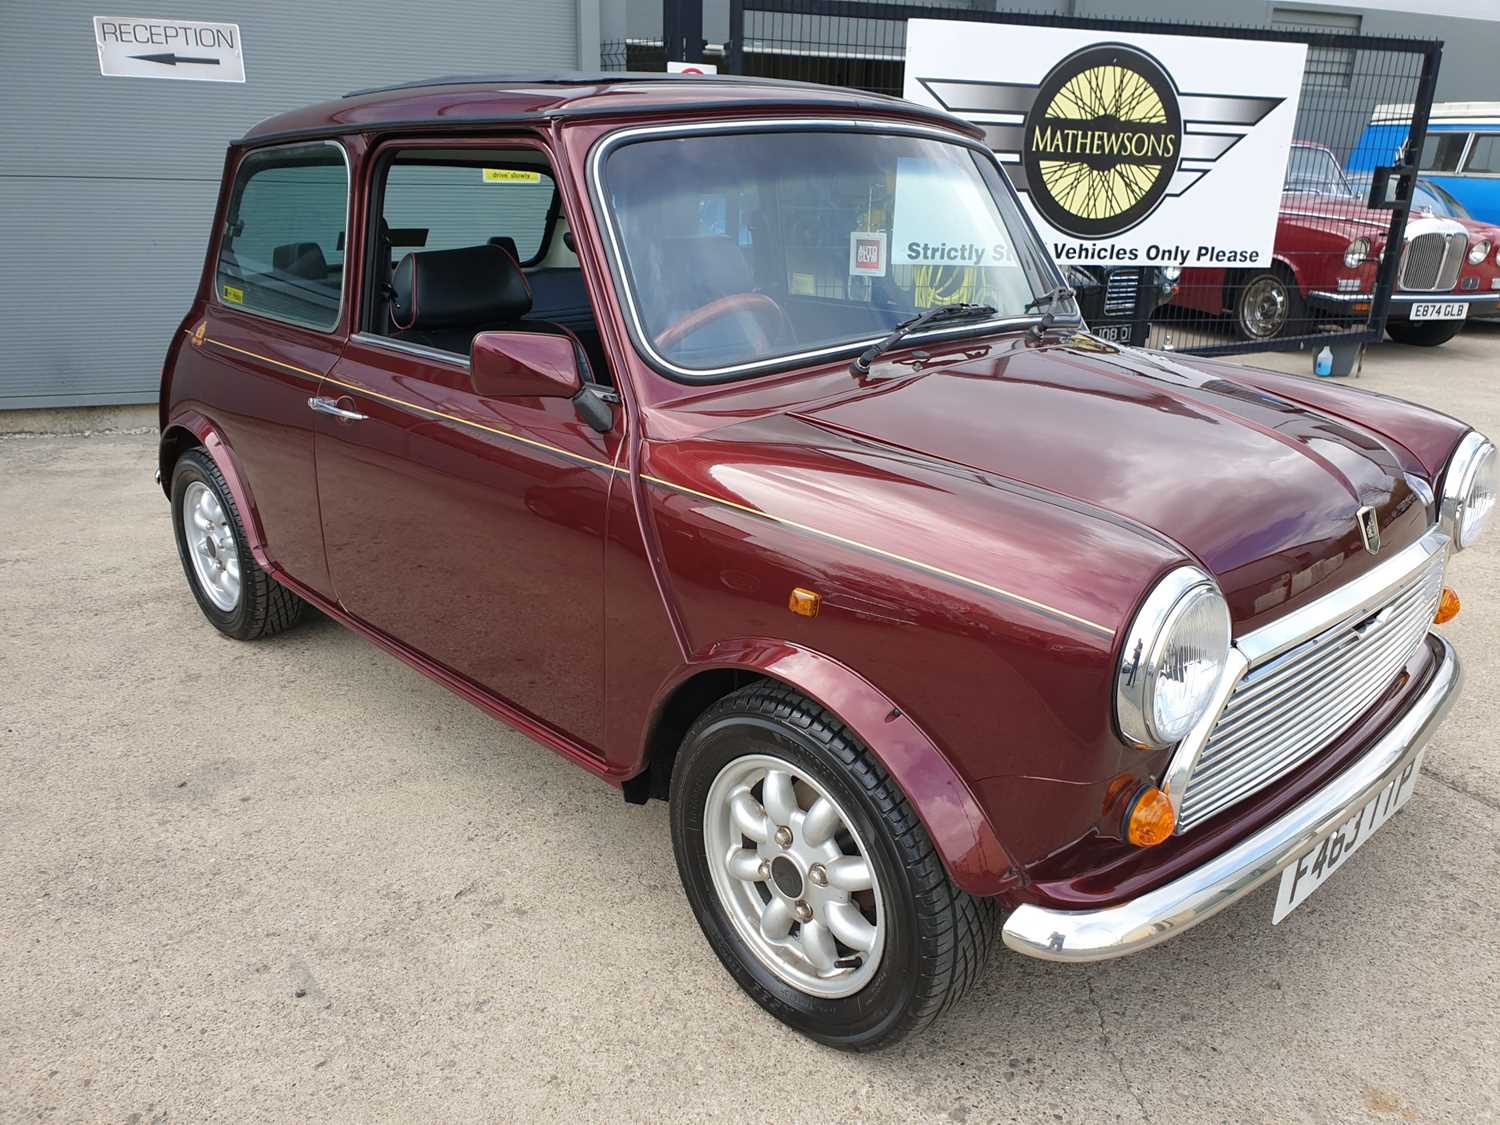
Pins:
x: 1441, y: 152
x: 282, y: 254
x: 1484, y: 156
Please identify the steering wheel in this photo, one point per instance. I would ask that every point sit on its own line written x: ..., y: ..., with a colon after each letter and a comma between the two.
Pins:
x: 758, y: 305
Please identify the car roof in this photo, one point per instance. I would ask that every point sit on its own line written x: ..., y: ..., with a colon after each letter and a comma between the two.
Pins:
x: 504, y: 99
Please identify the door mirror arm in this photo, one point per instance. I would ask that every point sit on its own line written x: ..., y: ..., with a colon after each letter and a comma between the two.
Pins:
x: 595, y: 406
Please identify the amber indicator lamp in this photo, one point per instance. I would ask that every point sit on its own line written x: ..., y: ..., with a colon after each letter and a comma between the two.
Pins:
x: 1151, y: 818
x: 1448, y: 607
x: 804, y: 602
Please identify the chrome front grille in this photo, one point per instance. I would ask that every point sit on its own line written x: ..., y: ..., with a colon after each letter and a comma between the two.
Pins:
x: 1431, y: 261
x: 1120, y: 290
x: 1288, y: 707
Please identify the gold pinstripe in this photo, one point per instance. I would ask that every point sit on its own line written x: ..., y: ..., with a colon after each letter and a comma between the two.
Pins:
x: 916, y: 564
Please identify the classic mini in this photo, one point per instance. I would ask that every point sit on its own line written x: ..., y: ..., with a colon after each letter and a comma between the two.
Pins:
x: 939, y: 621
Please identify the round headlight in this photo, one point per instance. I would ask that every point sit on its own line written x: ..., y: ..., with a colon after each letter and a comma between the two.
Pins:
x: 1469, y: 487
x: 1171, y: 274
x: 1173, y: 658
x: 1479, y: 251
x: 1356, y: 252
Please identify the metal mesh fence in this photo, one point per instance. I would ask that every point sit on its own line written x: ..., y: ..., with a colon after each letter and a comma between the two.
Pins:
x: 632, y: 55
x: 1330, y: 280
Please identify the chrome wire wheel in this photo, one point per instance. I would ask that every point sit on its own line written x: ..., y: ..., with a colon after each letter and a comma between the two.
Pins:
x: 211, y: 546
x: 793, y: 876
x: 1264, y: 307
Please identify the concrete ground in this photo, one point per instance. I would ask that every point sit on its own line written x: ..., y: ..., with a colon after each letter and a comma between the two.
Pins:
x: 297, y: 881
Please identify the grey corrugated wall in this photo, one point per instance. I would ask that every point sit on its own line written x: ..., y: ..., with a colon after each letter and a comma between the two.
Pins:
x: 107, y: 185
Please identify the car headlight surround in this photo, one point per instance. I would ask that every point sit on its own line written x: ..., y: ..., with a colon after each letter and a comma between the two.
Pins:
x: 1173, y: 658
x: 1479, y: 251
x: 1469, y: 489
x: 1171, y: 274
x: 1356, y: 252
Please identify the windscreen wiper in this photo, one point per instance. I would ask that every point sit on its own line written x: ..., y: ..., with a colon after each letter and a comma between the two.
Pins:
x: 1052, y: 298
x: 934, y: 315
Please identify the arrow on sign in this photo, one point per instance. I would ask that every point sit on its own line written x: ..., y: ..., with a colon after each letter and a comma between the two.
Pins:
x: 172, y: 59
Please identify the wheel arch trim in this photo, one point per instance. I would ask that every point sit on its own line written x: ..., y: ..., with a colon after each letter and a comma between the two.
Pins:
x: 962, y: 833
x: 210, y: 438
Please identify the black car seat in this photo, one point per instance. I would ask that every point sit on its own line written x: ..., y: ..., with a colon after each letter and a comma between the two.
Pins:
x: 444, y: 298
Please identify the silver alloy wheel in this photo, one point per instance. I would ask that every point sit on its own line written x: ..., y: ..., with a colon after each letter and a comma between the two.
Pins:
x: 211, y: 546
x: 811, y: 911
x: 1263, y: 307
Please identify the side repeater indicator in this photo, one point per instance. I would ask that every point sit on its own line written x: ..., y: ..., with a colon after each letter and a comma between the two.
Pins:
x: 804, y: 602
x: 199, y: 332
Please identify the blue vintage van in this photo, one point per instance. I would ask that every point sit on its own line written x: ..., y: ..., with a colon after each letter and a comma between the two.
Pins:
x: 1461, y: 153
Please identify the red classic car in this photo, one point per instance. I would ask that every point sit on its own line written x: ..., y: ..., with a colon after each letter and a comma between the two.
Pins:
x: 1328, y: 246
x: 624, y: 408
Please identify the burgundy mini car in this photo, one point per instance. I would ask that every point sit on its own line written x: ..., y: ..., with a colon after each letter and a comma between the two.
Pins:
x: 638, y: 412
x: 1328, y: 248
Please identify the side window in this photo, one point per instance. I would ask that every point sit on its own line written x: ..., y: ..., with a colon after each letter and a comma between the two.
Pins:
x: 1441, y: 152
x: 447, y: 206
x: 282, y: 253
x: 1485, y: 155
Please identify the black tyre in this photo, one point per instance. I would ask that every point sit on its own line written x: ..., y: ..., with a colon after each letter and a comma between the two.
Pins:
x: 812, y: 878
x: 1268, y: 304
x: 1423, y: 333
x: 235, y: 594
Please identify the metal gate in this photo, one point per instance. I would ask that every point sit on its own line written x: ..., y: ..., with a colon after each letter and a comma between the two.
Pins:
x: 1346, y: 189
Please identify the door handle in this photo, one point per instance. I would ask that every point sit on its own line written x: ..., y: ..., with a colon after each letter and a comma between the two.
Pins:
x: 328, y: 406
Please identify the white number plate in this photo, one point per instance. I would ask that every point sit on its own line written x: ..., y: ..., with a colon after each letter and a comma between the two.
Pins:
x: 1314, y: 866
x: 1439, y: 310
x: 1116, y: 333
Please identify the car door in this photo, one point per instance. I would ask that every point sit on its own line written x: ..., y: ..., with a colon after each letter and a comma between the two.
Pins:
x: 469, y: 529
x: 273, y: 326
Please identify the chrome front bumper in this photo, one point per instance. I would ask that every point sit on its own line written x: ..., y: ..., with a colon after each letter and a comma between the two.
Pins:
x: 1098, y: 935
x: 1406, y: 299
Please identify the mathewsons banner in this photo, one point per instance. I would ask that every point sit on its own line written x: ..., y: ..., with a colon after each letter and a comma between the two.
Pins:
x: 1127, y: 149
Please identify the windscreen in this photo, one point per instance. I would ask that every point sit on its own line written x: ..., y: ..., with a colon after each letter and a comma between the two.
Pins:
x: 1314, y: 170
x: 748, y: 247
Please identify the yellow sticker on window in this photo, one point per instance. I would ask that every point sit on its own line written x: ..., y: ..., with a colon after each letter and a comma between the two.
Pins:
x: 803, y: 285
x: 234, y: 296
x: 511, y: 176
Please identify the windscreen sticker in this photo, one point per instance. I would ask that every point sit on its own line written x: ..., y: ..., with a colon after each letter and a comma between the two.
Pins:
x: 944, y: 220
x: 511, y: 176
x: 234, y: 296
x: 867, y: 253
